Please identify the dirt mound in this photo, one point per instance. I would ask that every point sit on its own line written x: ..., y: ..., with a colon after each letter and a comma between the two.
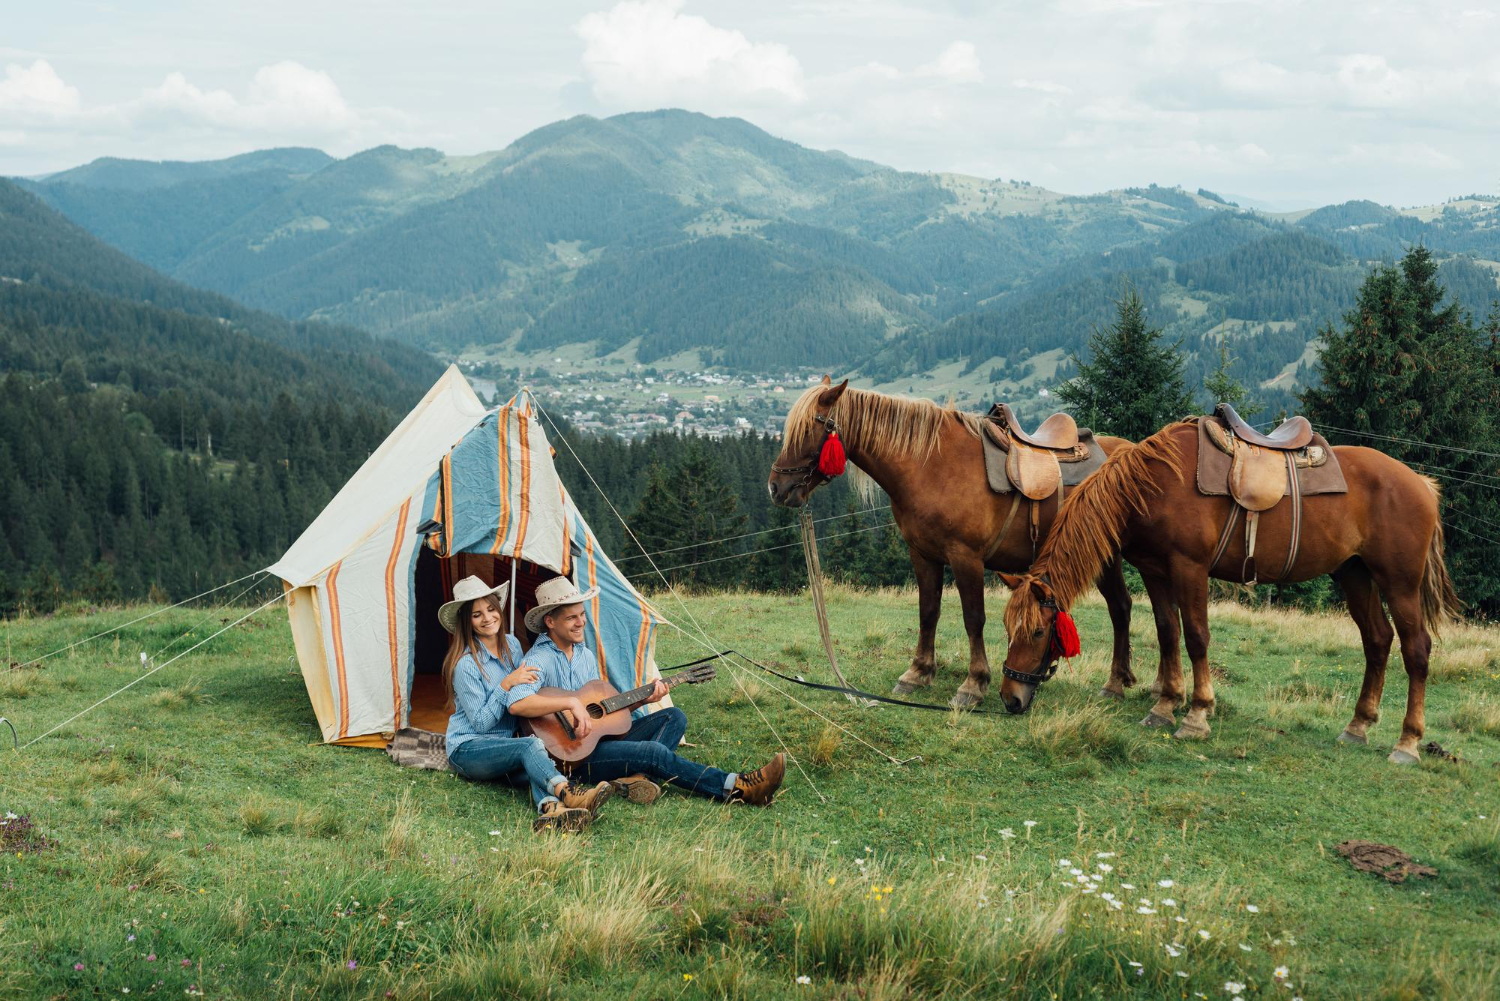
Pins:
x: 1386, y: 861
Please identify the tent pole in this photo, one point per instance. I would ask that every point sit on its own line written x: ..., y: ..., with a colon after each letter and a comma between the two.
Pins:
x: 512, y: 595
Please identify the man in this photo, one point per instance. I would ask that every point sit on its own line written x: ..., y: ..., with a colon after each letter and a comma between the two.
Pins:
x: 648, y: 750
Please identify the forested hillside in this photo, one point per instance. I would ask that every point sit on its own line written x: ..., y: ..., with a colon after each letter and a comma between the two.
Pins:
x: 153, y: 435
x: 689, y: 232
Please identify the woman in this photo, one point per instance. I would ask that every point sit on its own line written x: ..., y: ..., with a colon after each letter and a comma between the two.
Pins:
x: 478, y: 674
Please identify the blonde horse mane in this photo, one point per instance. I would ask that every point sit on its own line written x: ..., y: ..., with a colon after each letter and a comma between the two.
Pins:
x: 1088, y: 529
x: 881, y: 425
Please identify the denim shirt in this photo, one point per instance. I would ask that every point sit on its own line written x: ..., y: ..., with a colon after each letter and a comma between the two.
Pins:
x: 556, y: 670
x: 479, y: 703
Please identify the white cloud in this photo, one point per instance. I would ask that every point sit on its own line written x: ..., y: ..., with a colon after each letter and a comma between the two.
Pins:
x: 959, y: 62
x: 648, y: 53
x: 36, y: 90
x: 1041, y: 86
x: 286, y: 98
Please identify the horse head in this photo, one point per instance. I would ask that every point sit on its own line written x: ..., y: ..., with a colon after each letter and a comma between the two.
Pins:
x: 796, y: 473
x: 1031, y: 627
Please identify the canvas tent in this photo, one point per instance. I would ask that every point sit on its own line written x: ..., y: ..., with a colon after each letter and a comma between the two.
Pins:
x: 454, y: 490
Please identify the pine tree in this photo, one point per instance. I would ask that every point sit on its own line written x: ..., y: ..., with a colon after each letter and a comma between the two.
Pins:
x: 1222, y: 387
x: 1418, y: 381
x: 1133, y: 385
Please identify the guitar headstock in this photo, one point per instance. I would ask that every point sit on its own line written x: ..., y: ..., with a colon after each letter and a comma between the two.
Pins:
x: 695, y: 675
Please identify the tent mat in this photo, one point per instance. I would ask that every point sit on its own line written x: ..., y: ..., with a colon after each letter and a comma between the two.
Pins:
x: 427, y: 713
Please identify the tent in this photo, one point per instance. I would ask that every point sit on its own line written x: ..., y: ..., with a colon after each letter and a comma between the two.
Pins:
x: 454, y: 490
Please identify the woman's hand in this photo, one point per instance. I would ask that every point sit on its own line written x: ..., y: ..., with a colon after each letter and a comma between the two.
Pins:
x: 523, y: 675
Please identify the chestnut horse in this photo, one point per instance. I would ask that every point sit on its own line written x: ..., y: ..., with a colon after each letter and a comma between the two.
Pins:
x: 930, y: 462
x: 1382, y: 539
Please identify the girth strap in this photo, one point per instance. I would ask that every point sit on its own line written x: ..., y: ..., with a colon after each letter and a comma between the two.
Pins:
x: 1252, y: 525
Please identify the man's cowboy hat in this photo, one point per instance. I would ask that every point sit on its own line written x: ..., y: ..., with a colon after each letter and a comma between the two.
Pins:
x: 554, y: 594
x: 466, y: 591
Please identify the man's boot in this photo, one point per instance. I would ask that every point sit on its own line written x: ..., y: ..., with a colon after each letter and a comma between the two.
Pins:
x: 638, y: 789
x: 554, y: 816
x: 759, y: 787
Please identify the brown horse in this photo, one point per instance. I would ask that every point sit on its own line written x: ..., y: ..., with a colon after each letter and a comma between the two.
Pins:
x: 930, y: 462
x: 1381, y: 539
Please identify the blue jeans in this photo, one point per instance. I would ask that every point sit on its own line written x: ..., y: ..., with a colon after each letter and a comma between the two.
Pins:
x: 517, y: 761
x: 648, y: 747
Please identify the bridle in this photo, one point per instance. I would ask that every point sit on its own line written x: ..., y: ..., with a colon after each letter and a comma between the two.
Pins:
x: 1054, y: 650
x: 811, y: 469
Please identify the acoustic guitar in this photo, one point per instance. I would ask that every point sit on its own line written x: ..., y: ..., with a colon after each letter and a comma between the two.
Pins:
x: 608, y: 709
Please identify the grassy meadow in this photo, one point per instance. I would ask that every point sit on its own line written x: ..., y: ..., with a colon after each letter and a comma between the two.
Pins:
x: 191, y: 836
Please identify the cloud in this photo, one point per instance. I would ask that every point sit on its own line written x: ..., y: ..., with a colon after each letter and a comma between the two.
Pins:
x: 959, y: 62
x: 36, y: 91
x: 648, y: 53
x: 286, y: 98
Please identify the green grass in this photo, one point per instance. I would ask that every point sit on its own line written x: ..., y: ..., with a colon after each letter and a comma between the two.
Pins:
x: 198, y: 813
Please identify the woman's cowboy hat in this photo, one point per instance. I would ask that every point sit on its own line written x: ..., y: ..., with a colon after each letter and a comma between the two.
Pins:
x: 557, y: 592
x: 464, y: 592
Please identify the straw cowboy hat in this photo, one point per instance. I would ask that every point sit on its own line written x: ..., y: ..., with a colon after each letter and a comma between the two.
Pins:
x: 554, y: 594
x: 464, y: 592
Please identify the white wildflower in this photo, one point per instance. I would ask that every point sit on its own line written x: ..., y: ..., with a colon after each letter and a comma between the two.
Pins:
x: 804, y: 979
x: 1007, y: 833
x: 1064, y: 863
x: 1165, y: 884
x: 1144, y: 910
x: 1234, y: 987
x: 1075, y: 872
x: 1127, y: 886
x: 1203, y: 934
x: 982, y: 858
x: 1245, y: 948
x: 1252, y: 908
x: 1030, y: 823
x: 1104, y: 855
x: 1172, y: 951
x: 1132, y: 962
x: 1280, y: 973
x: 1105, y: 867
x: 1168, y: 902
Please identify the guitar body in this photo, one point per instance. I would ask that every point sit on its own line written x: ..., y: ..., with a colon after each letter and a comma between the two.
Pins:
x: 608, y: 710
x: 564, y: 746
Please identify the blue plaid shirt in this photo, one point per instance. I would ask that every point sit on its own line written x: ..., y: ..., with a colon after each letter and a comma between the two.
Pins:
x: 557, y: 670
x: 479, y: 701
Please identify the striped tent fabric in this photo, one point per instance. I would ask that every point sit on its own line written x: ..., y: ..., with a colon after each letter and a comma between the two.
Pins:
x: 471, y: 486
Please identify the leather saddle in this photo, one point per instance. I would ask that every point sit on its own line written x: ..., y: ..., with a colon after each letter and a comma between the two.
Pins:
x: 1290, y: 435
x: 1032, y: 465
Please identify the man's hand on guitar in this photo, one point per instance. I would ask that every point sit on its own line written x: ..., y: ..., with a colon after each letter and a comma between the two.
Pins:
x: 523, y: 675
x: 582, y: 724
x: 658, y: 692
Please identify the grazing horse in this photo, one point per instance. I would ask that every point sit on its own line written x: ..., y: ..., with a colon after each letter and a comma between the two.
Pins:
x: 930, y: 462
x: 1382, y: 538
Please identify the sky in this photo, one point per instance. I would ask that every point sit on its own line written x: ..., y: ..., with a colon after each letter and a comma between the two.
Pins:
x: 1288, y: 103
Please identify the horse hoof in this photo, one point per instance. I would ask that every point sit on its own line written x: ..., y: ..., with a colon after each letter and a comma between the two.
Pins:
x: 1348, y: 737
x: 1109, y: 693
x: 906, y: 688
x: 1154, y: 718
x: 963, y: 700
x: 1186, y: 732
x: 1400, y: 757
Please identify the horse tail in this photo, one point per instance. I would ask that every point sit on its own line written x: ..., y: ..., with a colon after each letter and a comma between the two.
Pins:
x: 1440, y: 602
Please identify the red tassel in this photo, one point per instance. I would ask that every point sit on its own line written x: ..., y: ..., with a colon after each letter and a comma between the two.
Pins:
x: 831, y: 461
x: 1065, y: 642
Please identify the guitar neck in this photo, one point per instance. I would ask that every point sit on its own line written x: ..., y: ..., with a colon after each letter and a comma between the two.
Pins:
x: 636, y: 696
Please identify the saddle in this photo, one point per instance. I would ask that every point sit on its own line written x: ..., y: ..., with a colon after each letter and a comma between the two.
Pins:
x: 1035, y: 466
x: 1259, y: 472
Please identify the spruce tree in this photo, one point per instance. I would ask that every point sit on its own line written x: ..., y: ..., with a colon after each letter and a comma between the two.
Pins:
x: 1221, y: 387
x: 1416, y: 379
x: 1133, y: 383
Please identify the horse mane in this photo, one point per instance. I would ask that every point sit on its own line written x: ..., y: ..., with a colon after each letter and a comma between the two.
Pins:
x: 882, y: 425
x: 1088, y: 529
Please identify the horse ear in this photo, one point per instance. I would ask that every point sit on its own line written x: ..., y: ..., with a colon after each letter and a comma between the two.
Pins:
x: 1012, y: 580
x: 831, y: 396
x: 828, y: 380
x: 1042, y: 591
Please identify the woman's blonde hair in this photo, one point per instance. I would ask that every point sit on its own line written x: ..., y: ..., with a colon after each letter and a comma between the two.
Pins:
x: 464, y: 641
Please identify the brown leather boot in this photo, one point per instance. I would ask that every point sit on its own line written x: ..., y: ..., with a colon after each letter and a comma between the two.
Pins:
x: 554, y: 816
x: 582, y: 797
x: 759, y: 787
x: 638, y: 789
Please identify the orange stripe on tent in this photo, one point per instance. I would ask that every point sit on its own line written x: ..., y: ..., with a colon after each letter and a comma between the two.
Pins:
x: 525, y: 486
x: 567, y: 547
x: 588, y: 539
x: 448, y: 504
x: 502, y: 423
x: 336, y: 627
x: 390, y: 610
x: 640, y: 647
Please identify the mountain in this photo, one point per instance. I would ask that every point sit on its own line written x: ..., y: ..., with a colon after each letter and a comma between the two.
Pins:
x: 676, y: 231
x: 155, y: 438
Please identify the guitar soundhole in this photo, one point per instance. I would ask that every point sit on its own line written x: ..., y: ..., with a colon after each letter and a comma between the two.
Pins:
x: 595, y: 710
